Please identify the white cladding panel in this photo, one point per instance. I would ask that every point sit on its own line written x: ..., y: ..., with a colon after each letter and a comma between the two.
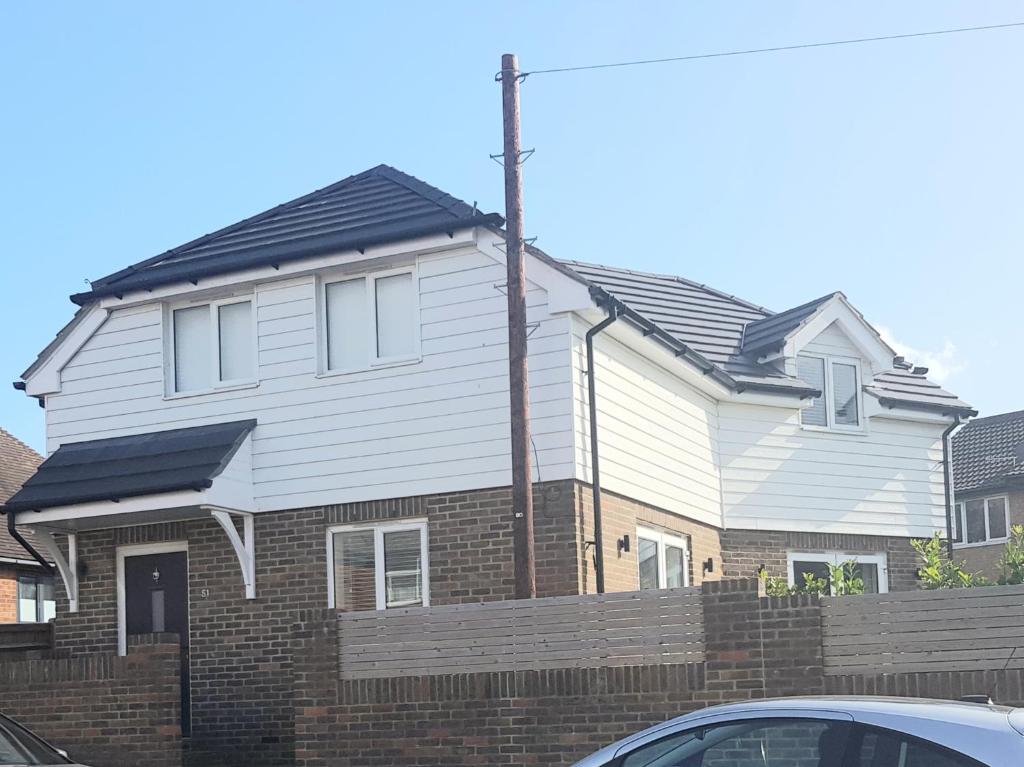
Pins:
x: 657, y: 434
x: 437, y: 425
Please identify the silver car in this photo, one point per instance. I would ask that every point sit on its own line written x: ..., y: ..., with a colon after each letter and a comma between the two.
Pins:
x: 828, y: 732
x: 20, y: 747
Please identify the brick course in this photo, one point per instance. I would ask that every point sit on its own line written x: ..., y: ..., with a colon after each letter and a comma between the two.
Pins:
x: 744, y: 551
x: 8, y: 595
x: 119, y: 712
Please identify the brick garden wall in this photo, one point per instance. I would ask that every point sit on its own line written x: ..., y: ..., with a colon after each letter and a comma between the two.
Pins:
x: 103, y: 710
x: 744, y: 551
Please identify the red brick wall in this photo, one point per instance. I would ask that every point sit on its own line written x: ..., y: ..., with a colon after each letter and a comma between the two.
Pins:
x: 8, y: 595
x: 116, y: 712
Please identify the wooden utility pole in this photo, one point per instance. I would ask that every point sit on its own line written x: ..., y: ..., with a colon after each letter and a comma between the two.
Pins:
x: 519, y: 399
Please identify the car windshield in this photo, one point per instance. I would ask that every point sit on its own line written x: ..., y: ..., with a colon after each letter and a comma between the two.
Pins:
x: 21, y: 747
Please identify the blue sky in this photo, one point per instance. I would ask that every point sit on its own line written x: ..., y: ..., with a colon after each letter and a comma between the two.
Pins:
x: 891, y: 171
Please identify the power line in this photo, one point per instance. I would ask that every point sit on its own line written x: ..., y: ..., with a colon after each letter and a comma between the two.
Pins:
x: 777, y: 49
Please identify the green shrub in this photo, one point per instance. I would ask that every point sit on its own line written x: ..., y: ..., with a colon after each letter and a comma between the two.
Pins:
x: 938, y: 571
x: 843, y: 578
x: 1011, y: 563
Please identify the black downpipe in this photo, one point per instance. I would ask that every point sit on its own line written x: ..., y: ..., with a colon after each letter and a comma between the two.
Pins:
x: 947, y: 475
x: 13, y: 530
x: 595, y: 469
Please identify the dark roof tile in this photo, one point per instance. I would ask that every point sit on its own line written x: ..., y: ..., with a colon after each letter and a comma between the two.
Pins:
x: 17, y: 463
x: 988, y: 453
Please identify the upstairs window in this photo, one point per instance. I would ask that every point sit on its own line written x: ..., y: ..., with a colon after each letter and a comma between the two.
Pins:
x: 663, y: 559
x: 212, y: 345
x: 370, y: 320
x: 838, y: 379
x: 379, y: 567
x: 980, y: 521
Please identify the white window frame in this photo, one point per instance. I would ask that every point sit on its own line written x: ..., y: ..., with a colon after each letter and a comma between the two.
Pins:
x: 829, y: 394
x: 216, y: 382
x: 663, y: 538
x: 370, y: 284
x: 836, y: 558
x: 137, y: 550
x: 960, y: 509
x: 379, y: 573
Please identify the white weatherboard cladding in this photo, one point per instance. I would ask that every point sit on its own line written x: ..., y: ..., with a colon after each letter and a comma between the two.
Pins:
x: 777, y: 475
x: 437, y: 425
x: 656, y: 433
x: 834, y: 342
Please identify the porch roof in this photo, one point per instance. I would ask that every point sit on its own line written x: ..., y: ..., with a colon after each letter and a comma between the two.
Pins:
x: 128, y: 467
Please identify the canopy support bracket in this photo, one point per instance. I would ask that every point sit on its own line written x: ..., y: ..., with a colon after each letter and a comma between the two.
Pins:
x: 244, y: 546
x: 67, y: 566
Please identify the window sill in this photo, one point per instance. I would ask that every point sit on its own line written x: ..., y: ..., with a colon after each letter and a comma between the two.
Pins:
x: 381, y: 366
x: 214, y: 390
x: 855, y: 431
x: 982, y: 544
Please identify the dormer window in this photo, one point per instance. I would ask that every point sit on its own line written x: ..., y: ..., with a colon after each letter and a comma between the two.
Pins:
x: 838, y: 379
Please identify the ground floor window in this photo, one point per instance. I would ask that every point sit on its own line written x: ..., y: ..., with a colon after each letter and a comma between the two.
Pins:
x: 982, y: 520
x: 36, y: 600
x: 663, y: 559
x: 376, y: 567
x: 871, y: 568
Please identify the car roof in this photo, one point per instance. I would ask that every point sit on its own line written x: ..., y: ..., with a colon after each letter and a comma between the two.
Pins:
x: 953, y: 712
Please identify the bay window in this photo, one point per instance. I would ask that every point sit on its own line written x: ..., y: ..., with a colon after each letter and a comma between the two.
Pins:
x: 378, y: 567
x: 212, y: 345
x: 838, y: 379
x: 369, y: 320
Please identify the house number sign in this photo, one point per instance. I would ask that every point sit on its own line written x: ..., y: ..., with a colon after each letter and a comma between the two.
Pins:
x: 204, y: 593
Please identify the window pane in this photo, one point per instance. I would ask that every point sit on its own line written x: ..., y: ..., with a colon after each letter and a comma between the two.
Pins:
x: 867, y: 572
x: 975, y: 513
x: 675, y: 567
x: 958, y: 523
x: 27, y: 593
x: 47, y: 599
x: 884, y: 748
x: 346, y: 324
x: 648, y: 556
x: 395, y: 321
x: 403, y: 568
x: 844, y: 392
x: 817, y: 569
x: 996, y: 518
x: 156, y: 609
x: 192, y: 348
x: 354, y: 576
x: 754, y: 743
x: 236, y: 342
x: 811, y: 370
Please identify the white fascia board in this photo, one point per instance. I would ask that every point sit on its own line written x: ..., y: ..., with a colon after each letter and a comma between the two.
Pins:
x: 565, y: 294
x: 45, y: 379
x: 786, y: 400
x: 248, y: 277
x: 864, y: 337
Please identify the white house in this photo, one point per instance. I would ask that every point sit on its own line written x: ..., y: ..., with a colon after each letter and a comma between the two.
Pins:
x: 310, y: 407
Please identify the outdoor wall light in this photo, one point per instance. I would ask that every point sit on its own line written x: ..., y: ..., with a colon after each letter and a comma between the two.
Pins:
x: 624, y: 543
x: 709, y: 565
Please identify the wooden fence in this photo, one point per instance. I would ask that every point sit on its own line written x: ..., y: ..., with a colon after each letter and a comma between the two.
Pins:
x: 556, y: 632
x: 950, y: 630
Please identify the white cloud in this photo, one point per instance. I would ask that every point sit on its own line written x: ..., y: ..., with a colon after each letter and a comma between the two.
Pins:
x: 942, y: 364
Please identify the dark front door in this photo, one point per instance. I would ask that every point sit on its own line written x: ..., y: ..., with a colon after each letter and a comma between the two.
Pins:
x: 156, y: 600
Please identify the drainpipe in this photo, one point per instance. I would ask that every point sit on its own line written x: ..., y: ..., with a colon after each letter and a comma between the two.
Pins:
x: 13, y: 530
x: 595, y: 469
x: 947, y: 475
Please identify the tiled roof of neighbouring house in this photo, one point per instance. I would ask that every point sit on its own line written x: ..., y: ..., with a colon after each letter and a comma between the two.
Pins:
x: 988, y: 453
x: 723, y: 334
x: 18, y: 462
x: 376, y: 206
x: 127, y: 467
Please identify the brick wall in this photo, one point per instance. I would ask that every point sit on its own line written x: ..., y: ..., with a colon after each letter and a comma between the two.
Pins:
x: 118, y: 712
x: 8, y: 595
x: 620, y: 517
x: 744, y: 551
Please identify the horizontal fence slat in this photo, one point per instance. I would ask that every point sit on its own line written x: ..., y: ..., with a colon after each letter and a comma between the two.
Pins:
x: 664, y: 626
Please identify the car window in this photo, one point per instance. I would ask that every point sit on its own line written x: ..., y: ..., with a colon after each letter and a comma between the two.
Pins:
x: 748, y: 743
x: 19, y: 746
x: 872, y: 747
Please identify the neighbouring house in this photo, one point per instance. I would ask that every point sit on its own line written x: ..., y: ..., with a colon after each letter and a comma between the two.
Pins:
x: 26, y: 590
x: 309, y: 409
x: 988, y: 485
